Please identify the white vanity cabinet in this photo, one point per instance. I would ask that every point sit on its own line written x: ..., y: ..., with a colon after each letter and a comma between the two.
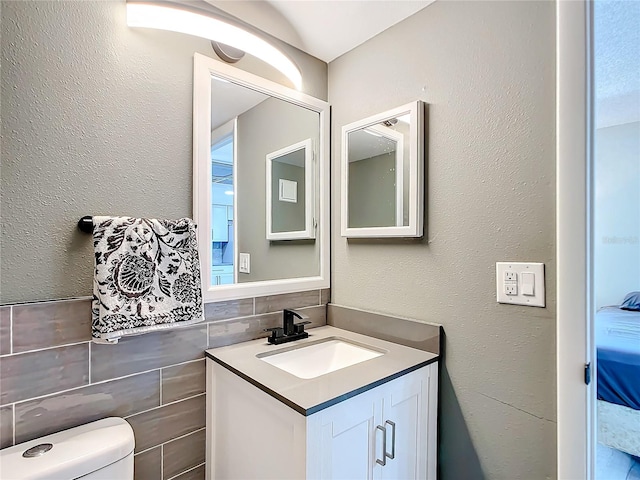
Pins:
x: 253, y: 435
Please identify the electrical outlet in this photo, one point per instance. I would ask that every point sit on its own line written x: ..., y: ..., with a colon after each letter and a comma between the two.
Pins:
x: 519, y: 283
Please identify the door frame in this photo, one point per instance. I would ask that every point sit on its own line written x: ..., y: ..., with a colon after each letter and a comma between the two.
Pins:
x: 574, y: 147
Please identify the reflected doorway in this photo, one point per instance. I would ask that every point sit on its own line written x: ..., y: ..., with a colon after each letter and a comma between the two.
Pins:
x: 616, y: 233
x: 222, y: 205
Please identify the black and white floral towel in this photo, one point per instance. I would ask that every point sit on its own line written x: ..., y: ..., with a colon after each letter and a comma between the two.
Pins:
x: 147, y: 276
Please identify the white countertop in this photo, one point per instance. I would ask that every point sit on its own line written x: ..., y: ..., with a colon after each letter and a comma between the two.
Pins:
x: 308, y: 396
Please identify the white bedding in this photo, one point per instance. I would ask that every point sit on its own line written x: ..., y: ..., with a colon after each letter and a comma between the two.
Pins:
x: 618, y: 329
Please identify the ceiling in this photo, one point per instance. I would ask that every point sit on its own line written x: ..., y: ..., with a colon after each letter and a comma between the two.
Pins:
x: 324, y: 29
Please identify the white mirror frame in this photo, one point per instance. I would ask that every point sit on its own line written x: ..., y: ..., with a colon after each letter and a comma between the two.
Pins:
x: 309, y: 196
x: 415, y: 110
x: 204, y: 68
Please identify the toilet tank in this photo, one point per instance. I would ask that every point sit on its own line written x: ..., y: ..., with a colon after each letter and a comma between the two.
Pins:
x: 97, y: 450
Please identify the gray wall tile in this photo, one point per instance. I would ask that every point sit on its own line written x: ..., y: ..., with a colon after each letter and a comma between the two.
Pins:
x: 276, y: 303
x: 44, y: 325
x: 184, y: 453
x: 245, y: 329
x: 5, y: 330
x: 420, y: 335
x: 183, y: 381
x: 6, y: 426
x: 137, y: 397
x: 242, y: 330
x: 195, y: 474
x: 147, y: 352
x: 148, y: 465
x: 317, y: 315
x: 118, y: 398
x: 170, y: 421
x: 32, y: 374
x: 325, y: 296
x: 230, y: 309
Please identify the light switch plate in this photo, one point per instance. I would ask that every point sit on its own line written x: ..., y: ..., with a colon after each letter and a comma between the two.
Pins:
x: 509, y: 279
x: 244, y: 263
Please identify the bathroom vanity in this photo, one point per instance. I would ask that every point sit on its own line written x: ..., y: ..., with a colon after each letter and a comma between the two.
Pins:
x: 334, y: 405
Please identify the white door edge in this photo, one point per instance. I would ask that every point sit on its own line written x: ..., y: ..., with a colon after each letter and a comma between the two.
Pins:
x: 573, y: 159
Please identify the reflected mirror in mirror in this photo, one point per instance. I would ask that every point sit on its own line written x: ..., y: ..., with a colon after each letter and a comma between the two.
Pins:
x: 290, y: 192
x: 377, y: 175
x: 382, y: 168
x: 241, y: 122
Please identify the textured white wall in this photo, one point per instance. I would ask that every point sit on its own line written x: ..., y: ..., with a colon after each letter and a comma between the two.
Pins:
x: 487, y: 72
x: 96, y: 120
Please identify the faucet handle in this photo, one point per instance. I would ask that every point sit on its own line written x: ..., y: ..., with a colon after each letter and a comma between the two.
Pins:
x: 276, y: 332
x: 299, y: 327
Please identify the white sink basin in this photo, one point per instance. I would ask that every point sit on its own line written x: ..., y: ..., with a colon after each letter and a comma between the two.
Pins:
x: 314, y: 359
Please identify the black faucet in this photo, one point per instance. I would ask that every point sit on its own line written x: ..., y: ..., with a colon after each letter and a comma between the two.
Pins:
x: 289, y: 331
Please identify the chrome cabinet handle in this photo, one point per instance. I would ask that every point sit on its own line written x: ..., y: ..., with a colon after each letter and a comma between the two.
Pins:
x: 382, y: 462
x: 393, y: 440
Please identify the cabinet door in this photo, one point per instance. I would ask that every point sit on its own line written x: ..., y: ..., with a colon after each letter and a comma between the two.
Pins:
x: 341, y: 445
x: 405, y: 409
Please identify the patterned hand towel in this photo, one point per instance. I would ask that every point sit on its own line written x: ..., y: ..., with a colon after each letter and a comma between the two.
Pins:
x: 147, y: 276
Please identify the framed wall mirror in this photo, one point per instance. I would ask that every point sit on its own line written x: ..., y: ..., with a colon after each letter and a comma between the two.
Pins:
x: 242, y: 122
x: 383, y: 174
x: 291, y: 192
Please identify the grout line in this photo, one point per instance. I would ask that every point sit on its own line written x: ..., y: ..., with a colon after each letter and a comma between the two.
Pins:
x: 320, y: 297
x: 168, y: 441
x: 11, y: 330
x: 90, y: 362
x: 224, y: 320
x: 187, y: 471
x: 165, y: 405
x: 53, y: 300
x: 106, y: 381
x: 14, y: 423
x: 254, y: 305
x: 162, y: 460
x: 185, y: 435
x: 208, y: 333
x: 181, y: 363
x: 103, y: 381
x: 160, y: 386
x: 147, y: 450
x: 46, y: 348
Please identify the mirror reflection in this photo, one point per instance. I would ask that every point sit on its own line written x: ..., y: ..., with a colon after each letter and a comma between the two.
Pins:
x: 378, y: 191
x: 382, y: 174
x: 249, y: 127
x: 222, y: 231
x: 290, y: 199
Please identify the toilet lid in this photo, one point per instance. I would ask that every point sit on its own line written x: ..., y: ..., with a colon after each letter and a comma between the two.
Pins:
x: 71, y: 453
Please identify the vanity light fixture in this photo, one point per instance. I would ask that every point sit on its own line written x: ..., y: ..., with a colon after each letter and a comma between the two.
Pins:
x: 176, y: 19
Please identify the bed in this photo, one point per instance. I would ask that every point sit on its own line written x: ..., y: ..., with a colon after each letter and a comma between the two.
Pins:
x: 618, y: 359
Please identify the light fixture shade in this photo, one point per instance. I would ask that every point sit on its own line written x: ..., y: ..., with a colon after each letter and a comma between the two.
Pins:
x: 178, y: 20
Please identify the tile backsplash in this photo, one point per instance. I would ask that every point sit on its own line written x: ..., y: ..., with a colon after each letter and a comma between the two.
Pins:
x: 52, y: 377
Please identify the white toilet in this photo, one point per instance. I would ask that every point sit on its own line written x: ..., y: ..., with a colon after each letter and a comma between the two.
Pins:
x: 101, y: 450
